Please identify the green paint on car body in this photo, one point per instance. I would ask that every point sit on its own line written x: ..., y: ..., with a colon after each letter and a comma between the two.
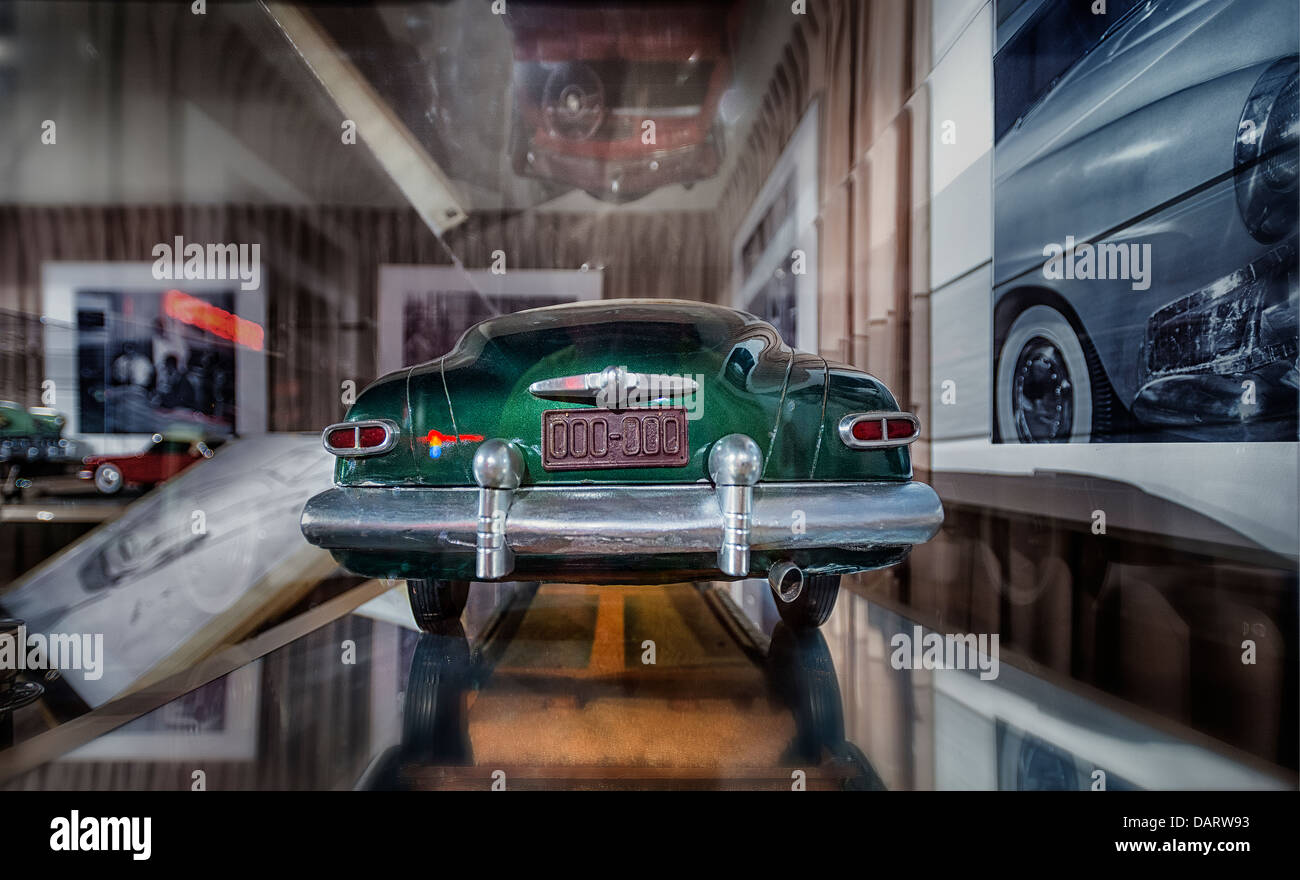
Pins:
x: 751, y: 382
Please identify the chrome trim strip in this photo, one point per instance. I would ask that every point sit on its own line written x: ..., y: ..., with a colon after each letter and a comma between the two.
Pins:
x: 847, y: 423
x: 610, y: 387
x: 391, y: 433
x: 604, y: 520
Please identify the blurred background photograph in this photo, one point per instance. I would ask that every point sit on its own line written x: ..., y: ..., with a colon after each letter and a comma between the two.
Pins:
x: 142, y: 368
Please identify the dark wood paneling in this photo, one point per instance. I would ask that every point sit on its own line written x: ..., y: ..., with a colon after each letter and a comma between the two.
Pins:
x: 320, y: 270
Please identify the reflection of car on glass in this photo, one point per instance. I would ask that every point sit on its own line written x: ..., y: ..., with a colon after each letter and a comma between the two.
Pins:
x: 161, y: 460
x: 784, y: 709
x: 609, y: 100
x: 1160, y: 140
x: 625, y: 441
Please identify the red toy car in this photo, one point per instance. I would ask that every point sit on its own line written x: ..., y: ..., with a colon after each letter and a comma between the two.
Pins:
x: 161, y: 460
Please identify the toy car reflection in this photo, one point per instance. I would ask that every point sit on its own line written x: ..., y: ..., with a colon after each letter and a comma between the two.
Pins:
x: 613, y: 102
x: 625, y: 441
x: 800, y: 681
x: 1164, y: 132
x: 161, y: 460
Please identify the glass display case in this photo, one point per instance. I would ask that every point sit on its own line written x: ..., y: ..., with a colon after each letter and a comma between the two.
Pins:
x: 462, y: 395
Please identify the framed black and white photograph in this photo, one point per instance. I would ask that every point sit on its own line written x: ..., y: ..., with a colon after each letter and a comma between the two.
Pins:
x: 1144, y: 247
x: 424, y: 310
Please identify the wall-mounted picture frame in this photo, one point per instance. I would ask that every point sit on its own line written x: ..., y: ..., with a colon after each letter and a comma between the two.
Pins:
x: 128, y: 355
x: 424, y: 310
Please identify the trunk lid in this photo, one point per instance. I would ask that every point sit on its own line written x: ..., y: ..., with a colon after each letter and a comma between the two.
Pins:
x: 738, y: 363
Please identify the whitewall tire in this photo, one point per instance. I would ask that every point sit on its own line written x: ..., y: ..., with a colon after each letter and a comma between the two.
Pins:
x: 1044, y: 386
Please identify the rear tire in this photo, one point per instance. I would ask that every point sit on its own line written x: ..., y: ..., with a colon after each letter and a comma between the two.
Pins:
x: 434, y: 602
x: 814, y: 604
x: 803, y: 674
x: 435, y: 720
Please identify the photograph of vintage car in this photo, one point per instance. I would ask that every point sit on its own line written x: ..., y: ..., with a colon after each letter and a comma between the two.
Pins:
x: 1145, y: 207
x: 634, y: 441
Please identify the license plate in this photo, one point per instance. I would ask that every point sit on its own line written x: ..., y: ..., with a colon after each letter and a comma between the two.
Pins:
x: 586, y: 439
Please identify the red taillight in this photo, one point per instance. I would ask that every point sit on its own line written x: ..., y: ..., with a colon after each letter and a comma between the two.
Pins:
x: 342, y: 438
x: 867, y: 430
x: 354, y: 439
x: 371, y: 436
x: 899, y: 428
x: 874, y: 430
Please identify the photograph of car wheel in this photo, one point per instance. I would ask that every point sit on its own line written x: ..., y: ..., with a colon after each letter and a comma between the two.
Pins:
x: 1045, y: 388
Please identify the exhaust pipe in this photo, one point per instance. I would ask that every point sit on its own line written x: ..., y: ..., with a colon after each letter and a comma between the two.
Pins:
x: 786, y: 580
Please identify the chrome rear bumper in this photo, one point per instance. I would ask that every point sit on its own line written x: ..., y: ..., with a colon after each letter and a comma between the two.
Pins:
x: 585, y: 521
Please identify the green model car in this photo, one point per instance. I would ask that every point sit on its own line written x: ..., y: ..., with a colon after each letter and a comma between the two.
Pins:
x: 31, y: 445
x: 623, y: 441
x: 25, y: 434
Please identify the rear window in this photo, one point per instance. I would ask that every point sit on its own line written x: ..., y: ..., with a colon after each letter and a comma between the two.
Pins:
x: 683, y: 328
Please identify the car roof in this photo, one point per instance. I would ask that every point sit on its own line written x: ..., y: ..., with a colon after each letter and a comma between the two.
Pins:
x: 674, y: 311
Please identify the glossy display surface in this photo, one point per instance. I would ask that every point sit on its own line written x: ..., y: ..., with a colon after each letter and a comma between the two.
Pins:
x: 645, y: 687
